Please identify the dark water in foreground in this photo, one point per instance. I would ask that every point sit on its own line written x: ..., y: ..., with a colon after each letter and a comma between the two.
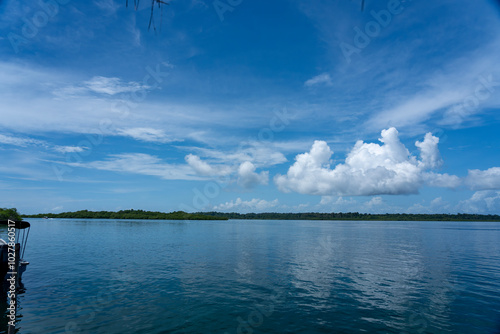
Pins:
x: 107, y: 276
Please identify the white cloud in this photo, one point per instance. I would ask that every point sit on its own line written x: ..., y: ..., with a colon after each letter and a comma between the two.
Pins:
x: 429, y: 153
x: 203, y: 168
x: 441, y: 180
x: 100, y: 85
x: 338, y: 204
x: 484, y: 179
x: 375, y: 201
x: 57, y: 208
x: 438, y: 201
x: 248, y: 178
x: 139, y: 163
x: 17, y: 141
x: 327, y: 200
x: 241, y: 163
x: 257, y: 153
x: 415, y: 109
x: 69, y: 149
x: 27, y: 142
x: 112, y: 86
x: 244, y: 206
x: 465, y: 86
x: 200, y: 166
x: 108, y: 6
x: 369, y: 169
x: 437, y: 205
x: 323, y: 78
x: 349, y: 204
x: 45, y: 100
x: 146, y: 134
x: 484, y: 201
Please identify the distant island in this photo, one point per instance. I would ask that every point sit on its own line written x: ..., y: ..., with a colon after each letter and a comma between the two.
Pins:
x: 181, y: 215
x: 129, y: 214
x: 357, y: 216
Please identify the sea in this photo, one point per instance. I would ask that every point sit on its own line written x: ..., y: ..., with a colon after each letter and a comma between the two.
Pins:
x: 259, y: 276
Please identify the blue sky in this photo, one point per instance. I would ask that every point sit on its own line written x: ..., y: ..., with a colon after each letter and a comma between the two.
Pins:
x: 251, y: 106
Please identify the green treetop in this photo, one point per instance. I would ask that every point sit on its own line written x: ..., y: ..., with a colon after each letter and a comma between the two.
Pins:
x: 11, y: 214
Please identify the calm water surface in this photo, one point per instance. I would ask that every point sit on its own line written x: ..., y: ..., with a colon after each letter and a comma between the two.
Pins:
x: 263, y: 276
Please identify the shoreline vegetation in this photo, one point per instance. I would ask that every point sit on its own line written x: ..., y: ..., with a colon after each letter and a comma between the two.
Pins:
x: 181, y: 215
x: 12, y: 214
x: 129, y: 214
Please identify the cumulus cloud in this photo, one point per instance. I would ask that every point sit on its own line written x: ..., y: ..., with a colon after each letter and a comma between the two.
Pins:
x: 484, y: 201
x: 337, y: 203
x: 323, y: 78
x: 437, y: 205
x: 248, y: 178
x: 241, y: 164
x: 441, y: 180
x: 484, y: 179
x: 429, y: 153
x: 203, y: 168
x: 254, y: 204
x: 369, y: 169
x: 375, y: 201
x: 327, y: 200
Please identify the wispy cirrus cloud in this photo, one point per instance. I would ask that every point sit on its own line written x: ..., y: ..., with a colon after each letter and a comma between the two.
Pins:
x: 108, y: 86
x: 112, y: 86
x: 69, y: 149
x: 108, y: 6
x: 18, y: 141
x: 37, y: 99
x: 259, y: 154
x: 321, y: 79
x: 141, y: 163
x: 416, y: 87
x: 146, y: 135
x: 463, y: 88
x: 27, y: 142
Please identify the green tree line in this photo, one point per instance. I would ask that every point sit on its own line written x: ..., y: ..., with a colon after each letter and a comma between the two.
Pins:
x: 213, y: 215
x: 357, y: 216
x: 128, y: 214
x: 12, y: 214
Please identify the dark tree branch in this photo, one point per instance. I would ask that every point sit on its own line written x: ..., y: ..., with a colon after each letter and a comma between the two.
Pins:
x: 151, y: 17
